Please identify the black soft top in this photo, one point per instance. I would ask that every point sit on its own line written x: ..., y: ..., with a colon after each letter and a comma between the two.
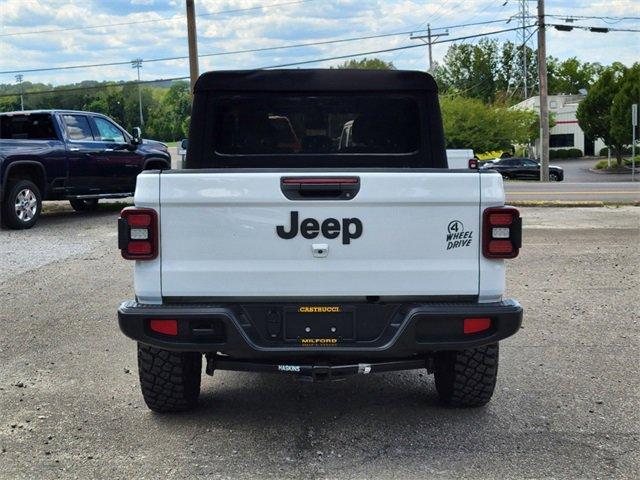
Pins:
x: 324, y: 80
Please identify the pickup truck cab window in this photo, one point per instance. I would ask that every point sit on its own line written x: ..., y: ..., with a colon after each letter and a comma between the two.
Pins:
x: 27, y: 127
x: 315, y: 124
x: 107, y: 131
x: 78, y: 128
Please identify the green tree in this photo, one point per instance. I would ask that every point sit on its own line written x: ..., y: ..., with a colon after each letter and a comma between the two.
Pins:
x: 167, y: 117
x: 570, y: 76
x: 367, y: 64
x: 469, y: 123
x: 470, y: 70
x: 628, y: 94
x: 594, y: 112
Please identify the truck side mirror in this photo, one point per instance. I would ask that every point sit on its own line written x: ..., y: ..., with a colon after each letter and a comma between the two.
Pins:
x: 184, y: 144
x: 136, y: 136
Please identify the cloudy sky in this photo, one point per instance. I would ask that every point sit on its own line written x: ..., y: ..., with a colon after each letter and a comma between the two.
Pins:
x: 54, y: 33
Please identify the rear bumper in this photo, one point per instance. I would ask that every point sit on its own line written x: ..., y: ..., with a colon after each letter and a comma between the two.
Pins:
x: 251, y: 331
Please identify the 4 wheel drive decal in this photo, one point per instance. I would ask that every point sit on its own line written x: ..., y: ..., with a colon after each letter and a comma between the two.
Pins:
x: 351, y: 228
x: 457, y: 236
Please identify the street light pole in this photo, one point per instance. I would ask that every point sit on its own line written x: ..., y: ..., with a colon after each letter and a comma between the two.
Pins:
x: 137, y: 63
x: 193, y: 43
x: 19, y: 78
x: 544, y: 105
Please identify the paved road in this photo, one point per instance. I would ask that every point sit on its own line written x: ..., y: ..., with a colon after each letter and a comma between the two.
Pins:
x: 566, y: 404
x: 614, y: 191
x: 578, y: 171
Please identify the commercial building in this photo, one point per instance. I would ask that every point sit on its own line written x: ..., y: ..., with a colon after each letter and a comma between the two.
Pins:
x: 566, y: 133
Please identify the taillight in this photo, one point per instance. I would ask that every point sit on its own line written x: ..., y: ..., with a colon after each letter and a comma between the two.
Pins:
x: 138, y: 233
x: 502, y: 232
x: 473, y: 163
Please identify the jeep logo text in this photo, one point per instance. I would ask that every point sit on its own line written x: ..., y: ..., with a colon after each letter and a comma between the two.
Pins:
x: 351, y: 228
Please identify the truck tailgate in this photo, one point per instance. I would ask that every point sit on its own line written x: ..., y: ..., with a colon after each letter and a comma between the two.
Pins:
x: 419, y: 236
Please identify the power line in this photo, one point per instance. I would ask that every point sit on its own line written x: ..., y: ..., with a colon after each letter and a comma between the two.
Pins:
x: 251, y: 50
x: 161, y: 19
x: 394, y: 49
x: 304, y: 62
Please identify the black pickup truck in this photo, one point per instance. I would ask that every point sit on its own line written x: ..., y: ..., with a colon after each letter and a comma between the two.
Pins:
x: 68, y: 155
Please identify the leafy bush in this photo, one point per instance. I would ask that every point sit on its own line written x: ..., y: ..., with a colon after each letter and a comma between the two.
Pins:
x: 553, y: 154
x: 562, y: 153
x: 575, y: 153
x: 604, y: 151
x: 603, y: 164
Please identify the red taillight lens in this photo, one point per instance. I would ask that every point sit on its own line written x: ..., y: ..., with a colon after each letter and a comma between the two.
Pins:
x: 166, y: 327
x: 500, y: 247
x: 138, y: 233
x: 473, y: 163
x: 499, y: 219
x: 139, y: 248
x: 475, y: 325
x: 139, y: 220
x: 502, y: 232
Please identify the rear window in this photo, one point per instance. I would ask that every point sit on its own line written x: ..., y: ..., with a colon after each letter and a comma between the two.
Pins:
x: 78, y: 128
x: 27, y: 127
x: 315, y: 124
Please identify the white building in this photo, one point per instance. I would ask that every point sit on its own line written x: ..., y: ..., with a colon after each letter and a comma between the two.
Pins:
x: 566, y: 132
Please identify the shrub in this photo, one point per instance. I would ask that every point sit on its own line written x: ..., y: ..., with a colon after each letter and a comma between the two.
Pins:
x: 625, y: 151
x: 601, y: 164
x: 575, y: 153
x: 553, y: 154
x: 563, y: 154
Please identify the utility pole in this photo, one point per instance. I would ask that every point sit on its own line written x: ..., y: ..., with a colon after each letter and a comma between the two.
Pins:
x: 544, y: 105
x: 634, y: 127
x: 430, y: 39
x: 19, y: 78
x: 137, y: 63
x: 524, y: 10
x: 193, y: 43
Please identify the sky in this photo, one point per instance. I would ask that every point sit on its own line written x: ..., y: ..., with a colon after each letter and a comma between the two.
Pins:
x: 31, y: 36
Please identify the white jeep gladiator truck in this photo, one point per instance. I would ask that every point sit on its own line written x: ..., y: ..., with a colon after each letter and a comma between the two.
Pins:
x: 283, y: 248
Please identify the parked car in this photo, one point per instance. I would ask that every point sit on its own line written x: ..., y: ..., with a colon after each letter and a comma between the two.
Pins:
x: 340, y: 258
x: 522, y: 169
x: 68, y: 155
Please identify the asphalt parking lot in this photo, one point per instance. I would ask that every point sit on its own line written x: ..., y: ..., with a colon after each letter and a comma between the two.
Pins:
x: 566, y: 403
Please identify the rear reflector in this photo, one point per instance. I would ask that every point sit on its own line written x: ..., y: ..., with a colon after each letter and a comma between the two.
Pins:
x: 166, y: 327
x: 501, y: 232
x: 138, y: 233
x: 475, y: 325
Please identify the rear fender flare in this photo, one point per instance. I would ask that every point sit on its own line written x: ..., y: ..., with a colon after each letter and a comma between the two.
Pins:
x: 40, y: 182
